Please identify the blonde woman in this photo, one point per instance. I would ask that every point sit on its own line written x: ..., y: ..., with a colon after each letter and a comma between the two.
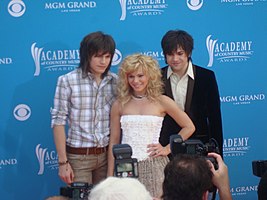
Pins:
x: 139, y: 111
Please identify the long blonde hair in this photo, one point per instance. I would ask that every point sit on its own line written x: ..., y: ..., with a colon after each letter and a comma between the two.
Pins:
x: 149, y: 66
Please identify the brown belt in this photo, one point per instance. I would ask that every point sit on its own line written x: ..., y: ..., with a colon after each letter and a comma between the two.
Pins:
x: 86, y: 151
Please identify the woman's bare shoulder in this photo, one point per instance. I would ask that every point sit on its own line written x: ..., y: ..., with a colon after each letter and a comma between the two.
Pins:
x: 116, y: 103
x: 163, y: 98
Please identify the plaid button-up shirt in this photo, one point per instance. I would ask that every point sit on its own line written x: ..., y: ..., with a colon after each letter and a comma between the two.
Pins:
x: 85, y: 107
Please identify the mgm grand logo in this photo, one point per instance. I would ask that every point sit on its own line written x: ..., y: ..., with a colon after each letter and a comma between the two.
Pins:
x: 243, y: 99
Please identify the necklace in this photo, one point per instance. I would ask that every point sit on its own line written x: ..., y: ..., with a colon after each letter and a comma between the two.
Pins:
x: 139, y: 96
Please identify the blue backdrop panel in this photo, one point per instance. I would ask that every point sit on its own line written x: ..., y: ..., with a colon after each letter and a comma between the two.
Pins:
x: 40, y: 41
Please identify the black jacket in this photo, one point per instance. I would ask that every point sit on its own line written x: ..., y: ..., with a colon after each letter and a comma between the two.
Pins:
x: 202, y: 106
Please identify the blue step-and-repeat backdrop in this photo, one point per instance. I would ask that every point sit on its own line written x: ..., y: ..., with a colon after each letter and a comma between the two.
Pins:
x: 39, y: 41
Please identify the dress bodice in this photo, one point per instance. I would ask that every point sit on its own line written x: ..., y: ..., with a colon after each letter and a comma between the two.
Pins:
x: 140, y: 130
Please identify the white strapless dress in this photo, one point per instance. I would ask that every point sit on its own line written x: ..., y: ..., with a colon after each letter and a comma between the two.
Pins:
x: 138, y: 131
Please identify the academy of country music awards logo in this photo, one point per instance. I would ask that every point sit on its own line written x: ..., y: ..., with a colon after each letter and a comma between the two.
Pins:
x: 238, y: 146
x: 142, y: 7
x: 228, y: 51
x: 60, y: 59
x: 151, y: 7
x: 243, y: 99
x: 242, y: 2
x: 54, y: 60
x: 70, y: 6
x: 46, y: 159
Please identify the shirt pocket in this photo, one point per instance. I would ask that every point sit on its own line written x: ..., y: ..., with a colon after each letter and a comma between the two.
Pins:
x: 104, y: 105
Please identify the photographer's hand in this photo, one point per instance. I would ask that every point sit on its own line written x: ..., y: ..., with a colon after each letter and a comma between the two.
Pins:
x: 157, y: 150
x: 220, y: 177
x: 66, y: 173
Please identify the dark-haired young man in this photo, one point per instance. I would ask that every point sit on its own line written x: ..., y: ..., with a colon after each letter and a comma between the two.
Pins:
x: 192, y: 87
x: 82, y: 101
x: 190, y: 177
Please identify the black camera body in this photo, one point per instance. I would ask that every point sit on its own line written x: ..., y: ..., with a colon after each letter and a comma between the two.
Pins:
x: 76, y: 191
x: 259, y: 167
x: 194, y: 147
x: 124, y: 164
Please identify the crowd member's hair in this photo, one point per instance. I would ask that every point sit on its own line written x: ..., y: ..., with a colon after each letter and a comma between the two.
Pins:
x: 96, y: 43
x: 114, y: 188
x: 175, y: 39
x: 149, y: 66
x: 187, y: 177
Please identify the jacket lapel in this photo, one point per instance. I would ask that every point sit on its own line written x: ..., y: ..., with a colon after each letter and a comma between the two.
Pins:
x: 190, y: 89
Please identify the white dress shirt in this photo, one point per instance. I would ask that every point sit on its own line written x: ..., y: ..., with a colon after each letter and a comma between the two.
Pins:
x: 179, y: 84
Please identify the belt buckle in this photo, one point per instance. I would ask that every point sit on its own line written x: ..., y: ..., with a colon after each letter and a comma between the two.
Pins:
x: 87, y: 151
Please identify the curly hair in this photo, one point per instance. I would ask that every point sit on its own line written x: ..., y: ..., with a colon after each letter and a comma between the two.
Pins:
x: 150, y: 68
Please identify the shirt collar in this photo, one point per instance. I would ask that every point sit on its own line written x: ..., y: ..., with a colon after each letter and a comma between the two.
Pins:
x: 108, y: 76
x: 189, y: 71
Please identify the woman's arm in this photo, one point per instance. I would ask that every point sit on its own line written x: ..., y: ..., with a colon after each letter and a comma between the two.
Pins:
x: 181, y: 118
x: 115, y: 133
